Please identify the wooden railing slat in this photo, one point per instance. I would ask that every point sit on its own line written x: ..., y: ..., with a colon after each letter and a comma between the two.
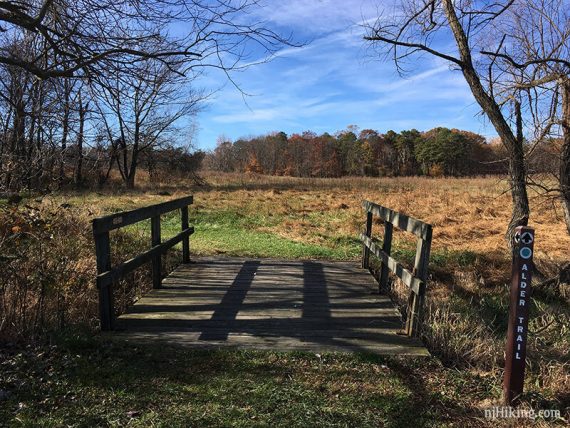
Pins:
x: 415, y: 306
x: 386, y: 249
x: 402, y: 221
x: 156, y: 260
x: 185, y: 241
x: 365, y: 249
x: 399, y: 270
x: 103, y: 252
x: 115, y: 221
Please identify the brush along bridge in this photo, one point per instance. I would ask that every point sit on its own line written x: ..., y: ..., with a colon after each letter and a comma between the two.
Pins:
x: 251, y: 303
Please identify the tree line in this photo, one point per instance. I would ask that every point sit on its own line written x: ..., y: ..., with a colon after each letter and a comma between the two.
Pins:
x: 437, y: 152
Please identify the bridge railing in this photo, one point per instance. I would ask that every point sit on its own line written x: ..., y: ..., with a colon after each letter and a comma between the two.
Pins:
x: 108, y: 275
x: 416, y: 279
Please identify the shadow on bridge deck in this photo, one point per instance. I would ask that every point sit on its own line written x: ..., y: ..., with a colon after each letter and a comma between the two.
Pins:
x: 270, y: 304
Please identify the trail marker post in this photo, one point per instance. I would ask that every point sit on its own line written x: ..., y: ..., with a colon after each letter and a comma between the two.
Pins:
x: 513, y: 381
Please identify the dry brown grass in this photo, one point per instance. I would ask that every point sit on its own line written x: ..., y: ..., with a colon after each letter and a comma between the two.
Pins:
x: 466, y: 296
x: 467, y: 213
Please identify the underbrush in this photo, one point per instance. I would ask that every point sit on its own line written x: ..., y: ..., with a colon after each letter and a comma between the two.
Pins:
x: 47, y: 260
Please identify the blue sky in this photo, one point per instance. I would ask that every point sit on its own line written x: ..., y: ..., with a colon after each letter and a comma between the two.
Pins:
x: 333, y: 81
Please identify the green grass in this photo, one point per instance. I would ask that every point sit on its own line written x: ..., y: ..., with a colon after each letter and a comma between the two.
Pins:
x: 235, y: 234
x: 93, y: 382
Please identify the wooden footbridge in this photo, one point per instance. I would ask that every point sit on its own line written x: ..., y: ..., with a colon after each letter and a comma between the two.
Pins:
x: 272, y: 304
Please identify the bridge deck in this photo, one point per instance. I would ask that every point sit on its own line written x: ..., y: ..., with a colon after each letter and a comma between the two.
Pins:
x: 270, y: 304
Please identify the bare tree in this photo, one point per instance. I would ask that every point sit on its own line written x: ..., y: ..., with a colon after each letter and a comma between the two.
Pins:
x: 89, y: 37
x: 415, y: 28
x: 83, y: 108
x: 54, y: 54
x: 140, y: 112
x: 534, y: 65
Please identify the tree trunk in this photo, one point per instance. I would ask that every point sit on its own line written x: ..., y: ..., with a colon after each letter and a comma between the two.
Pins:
x: 513, y: 144
x: 130, y: 182
x: 17, y: 149
x: 565, y: 153
x: 135, y: 154
x: 78, y: 177
x: 517, y: 180
x: 65, y: 132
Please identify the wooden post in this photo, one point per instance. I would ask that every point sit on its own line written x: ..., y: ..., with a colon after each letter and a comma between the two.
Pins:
x: 103, y: 254
x: 365, y: 249
x: 156, y: 260
x: 416, y: 301
x: 386, y: 248
x: 521, y: 276
x: 185, y: 241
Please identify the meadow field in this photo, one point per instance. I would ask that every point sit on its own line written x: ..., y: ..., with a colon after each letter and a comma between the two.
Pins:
x: 49, y: 298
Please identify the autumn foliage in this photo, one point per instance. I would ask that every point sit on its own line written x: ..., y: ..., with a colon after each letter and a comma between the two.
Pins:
x: 437, y: 152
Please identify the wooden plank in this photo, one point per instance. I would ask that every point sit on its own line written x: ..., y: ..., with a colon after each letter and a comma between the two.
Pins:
x: 292, y: 323
x: 365, y: 249
x: 115, y: 221
x: 197, y: 304
x: 267, y: 293
x: 251, y: 311
x: 415, y: 306
x: 278, y: 343
x: 384, y: 336
x: 117, y: 272
x: 235, y: 304
x: 402, y: 221
x: 396, y: 267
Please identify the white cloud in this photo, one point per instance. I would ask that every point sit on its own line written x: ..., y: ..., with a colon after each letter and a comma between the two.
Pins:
x: 317, y: 16
x: 327, y: 85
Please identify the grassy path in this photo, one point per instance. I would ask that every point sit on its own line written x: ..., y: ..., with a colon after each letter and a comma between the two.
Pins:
x: 90, y: 382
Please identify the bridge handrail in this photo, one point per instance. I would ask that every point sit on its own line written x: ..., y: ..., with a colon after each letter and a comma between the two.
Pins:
x: 415, y: 280
x: 107, y: 275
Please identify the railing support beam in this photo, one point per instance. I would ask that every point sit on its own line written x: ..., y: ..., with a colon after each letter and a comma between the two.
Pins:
x: 103, y: 251
x: 157, y: 259
x: 365, y: 249
x: 386, y: 248
x: 186, y: 240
